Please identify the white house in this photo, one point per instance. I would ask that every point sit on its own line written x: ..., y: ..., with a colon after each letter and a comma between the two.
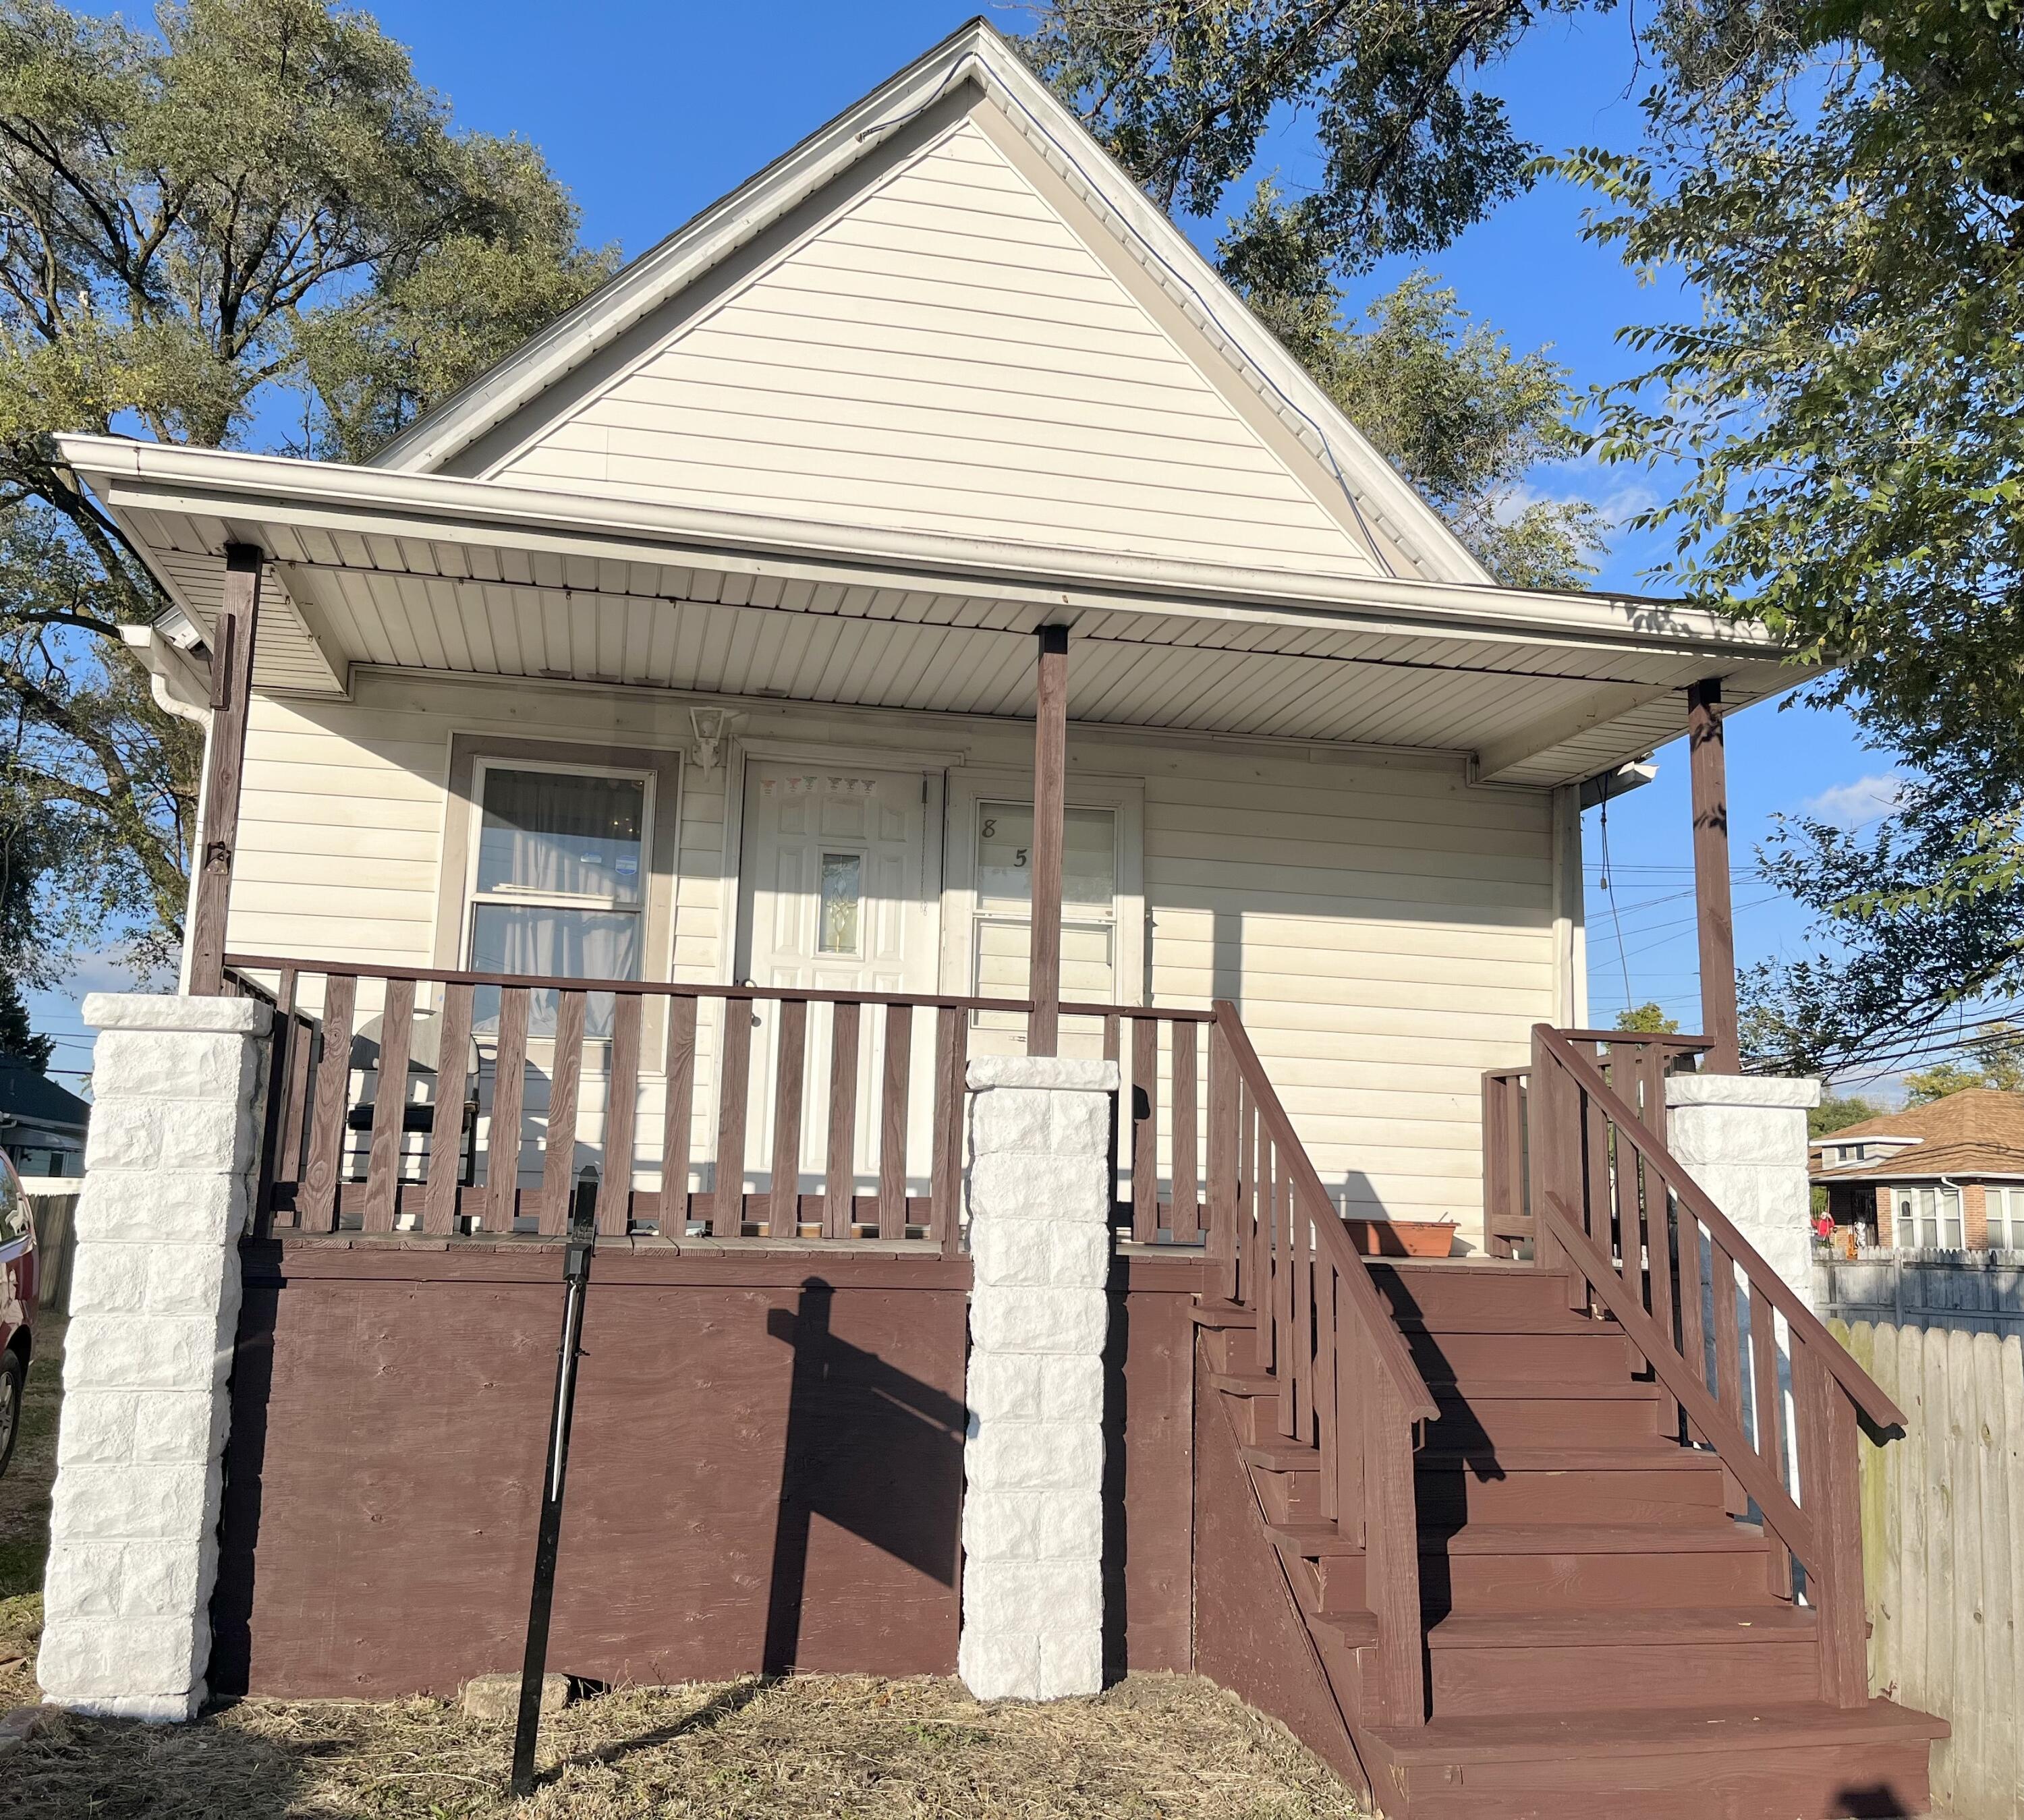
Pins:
x: 906, y: 741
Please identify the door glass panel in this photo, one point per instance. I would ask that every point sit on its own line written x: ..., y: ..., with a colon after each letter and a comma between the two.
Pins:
x: 842, y: 894
x: 542, y: 939
x: 1005, y: 856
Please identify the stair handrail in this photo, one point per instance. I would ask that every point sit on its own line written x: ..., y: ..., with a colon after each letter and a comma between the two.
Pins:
x: 1387, y: 1342
x: 1588, y: 1143
x: 1863, y: 1391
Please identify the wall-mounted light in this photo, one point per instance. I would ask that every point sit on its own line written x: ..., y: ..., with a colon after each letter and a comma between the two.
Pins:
x: 708, y: 724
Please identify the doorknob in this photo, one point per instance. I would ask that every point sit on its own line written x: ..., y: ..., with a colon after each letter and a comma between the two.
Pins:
x: 749, y: 981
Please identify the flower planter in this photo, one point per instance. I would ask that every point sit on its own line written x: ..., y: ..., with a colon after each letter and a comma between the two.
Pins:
x: 1401, y: 1238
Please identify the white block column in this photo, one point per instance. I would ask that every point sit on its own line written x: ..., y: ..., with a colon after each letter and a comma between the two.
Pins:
x: 1743, y: 1138
x: 1039, y: 1192
x: 154, y: 1309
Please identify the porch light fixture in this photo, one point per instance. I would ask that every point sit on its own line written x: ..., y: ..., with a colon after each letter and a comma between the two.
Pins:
x: 708, y: 725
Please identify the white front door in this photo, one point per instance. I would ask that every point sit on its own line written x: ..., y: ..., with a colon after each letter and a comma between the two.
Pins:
x: 836, y: 894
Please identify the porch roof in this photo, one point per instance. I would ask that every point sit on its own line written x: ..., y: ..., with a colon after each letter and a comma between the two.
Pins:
x: 429, y: 572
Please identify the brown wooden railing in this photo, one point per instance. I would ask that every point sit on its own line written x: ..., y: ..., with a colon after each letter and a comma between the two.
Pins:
x: 1749, y: 1370
x: 1634, y: 1063
x: 1347, y: 1385
x: 854, y: 1098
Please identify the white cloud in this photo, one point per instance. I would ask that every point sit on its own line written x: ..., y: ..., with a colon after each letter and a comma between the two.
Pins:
x: 1856, y: 805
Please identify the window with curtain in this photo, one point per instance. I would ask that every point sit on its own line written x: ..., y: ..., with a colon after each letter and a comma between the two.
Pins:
x: 2006, y: 1217
x: 560, y: 887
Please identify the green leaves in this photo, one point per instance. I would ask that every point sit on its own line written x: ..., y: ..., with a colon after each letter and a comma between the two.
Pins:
x: 257, y: 199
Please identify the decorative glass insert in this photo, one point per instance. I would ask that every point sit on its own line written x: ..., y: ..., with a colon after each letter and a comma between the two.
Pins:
x: 1005, y: 856
x: 837, y: 932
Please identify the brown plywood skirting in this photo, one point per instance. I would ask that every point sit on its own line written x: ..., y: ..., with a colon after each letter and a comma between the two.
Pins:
x: 1248, y: 1636
x: 765, y: 1473
x: 388, y: 1428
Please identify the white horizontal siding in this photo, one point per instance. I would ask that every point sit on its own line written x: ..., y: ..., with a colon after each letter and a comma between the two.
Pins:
x: 1387, y: 931
x: 946, y: 355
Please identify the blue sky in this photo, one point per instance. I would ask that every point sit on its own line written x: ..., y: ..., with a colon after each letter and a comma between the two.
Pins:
x: 649, y: 112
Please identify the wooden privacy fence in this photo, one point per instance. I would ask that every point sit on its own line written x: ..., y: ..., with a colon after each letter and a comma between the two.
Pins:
x: 1970, y: 1291
x: 1748, y: 1368
x: 1347, y: 1385
x: 1943, y: 1546
x: 444, y: 1103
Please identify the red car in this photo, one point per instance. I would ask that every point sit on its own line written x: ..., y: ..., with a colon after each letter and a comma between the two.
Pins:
x: 17, y: 1302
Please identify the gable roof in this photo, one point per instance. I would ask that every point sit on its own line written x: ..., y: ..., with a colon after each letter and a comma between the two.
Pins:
x: 1273, y: 453
x: 27, y: 1095
x: 1979, y: 1131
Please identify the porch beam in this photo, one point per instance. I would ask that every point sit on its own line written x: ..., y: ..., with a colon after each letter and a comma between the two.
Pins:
x: 224, y: 762
x: 1050, y: 732
x: 1708, y: 770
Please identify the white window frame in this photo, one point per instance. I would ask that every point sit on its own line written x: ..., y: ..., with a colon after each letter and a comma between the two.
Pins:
x: 483, y: 765
x: 968, y: 790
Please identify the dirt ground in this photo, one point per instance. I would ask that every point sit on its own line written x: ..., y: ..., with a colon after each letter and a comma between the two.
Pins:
x: 1161, y: 1747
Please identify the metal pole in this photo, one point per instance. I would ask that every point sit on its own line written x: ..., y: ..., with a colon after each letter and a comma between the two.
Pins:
x: 533, y: 1669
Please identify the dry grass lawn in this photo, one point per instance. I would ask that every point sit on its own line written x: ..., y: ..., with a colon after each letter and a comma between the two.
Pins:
x: 833, y: 1746
x: 1159, y: 1747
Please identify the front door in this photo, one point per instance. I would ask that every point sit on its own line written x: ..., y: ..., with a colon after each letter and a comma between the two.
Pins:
x: 836, y: 894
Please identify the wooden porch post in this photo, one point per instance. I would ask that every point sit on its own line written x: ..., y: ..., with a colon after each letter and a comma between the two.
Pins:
x: 1050, y: 733
x: 1708, y: 771
x: 224, y: 757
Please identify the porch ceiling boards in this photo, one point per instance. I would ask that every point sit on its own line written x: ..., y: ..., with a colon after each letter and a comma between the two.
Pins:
x: 491, y: 579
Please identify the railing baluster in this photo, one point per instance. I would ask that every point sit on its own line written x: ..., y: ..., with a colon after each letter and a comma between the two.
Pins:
x: 1113, y: 1052
x: 678, y: 1118
x: 1391, y: 1550
x: 952, y: 1045
x: 1283, y: 1353
x: 284, y: 1039
x: 1768, y: 1399
x: 1728, y: 1353
x: 727, y: 1201
x: 1326, y: 1386
x: 1186, y: 1217
x: 1352, y: 1417
x: 390, y: 1106
x: 1659, y: 1242
x: 783, y: 1204
x: 1225, y: 1154
x: 892, y: 1107
x: 1145, y: 1130
x: 559, y: 1141
x: 445, y: 1164
x: 840, y: 1178
x: 1252, y: 1230
x: 318, y: 1198
x: 292, y: 1163
x: 621, y: 1115
x: 509, y: 1085
x: 1301, y: 1230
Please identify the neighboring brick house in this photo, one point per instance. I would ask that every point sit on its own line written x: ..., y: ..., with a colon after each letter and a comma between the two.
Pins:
x: 1948, y: 1176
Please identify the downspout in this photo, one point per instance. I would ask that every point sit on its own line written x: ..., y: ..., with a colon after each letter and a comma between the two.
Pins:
x: 180, y: 689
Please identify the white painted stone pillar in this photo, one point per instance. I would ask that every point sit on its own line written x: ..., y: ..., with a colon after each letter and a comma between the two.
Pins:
x: 154, y: 1291
x: 1743, y: 1138
x: 1040, y: 1192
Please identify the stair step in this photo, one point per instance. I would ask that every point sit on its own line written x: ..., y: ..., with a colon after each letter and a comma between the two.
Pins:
x: 1355, y: 1629
x: 1284, y: 1457
x: 1645, y: 1456
x: 1516, y: 1737
x: 1313, y: 1541
x: 1487, y: 1390
x: 1245, y: 1383
x: 1711, y: 1538
x: 1770, y: 1622
x: 1222, y: 1314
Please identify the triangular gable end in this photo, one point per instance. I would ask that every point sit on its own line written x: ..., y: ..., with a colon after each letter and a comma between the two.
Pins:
x: 962, y: 332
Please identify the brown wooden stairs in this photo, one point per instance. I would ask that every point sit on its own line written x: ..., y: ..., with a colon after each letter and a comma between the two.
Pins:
x: 1530, y: 1560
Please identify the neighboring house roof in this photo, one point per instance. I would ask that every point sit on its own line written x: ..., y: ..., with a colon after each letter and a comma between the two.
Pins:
x: 29, y: 1098
x: 1977, y: 1131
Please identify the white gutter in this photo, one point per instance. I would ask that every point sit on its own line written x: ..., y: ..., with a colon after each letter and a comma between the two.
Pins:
x: 213, y: 483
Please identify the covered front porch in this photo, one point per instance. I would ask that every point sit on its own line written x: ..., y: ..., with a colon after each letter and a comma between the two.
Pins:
x: 728, y: 663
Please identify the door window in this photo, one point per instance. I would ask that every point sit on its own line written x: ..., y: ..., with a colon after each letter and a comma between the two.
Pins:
x: 1001, y: 936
